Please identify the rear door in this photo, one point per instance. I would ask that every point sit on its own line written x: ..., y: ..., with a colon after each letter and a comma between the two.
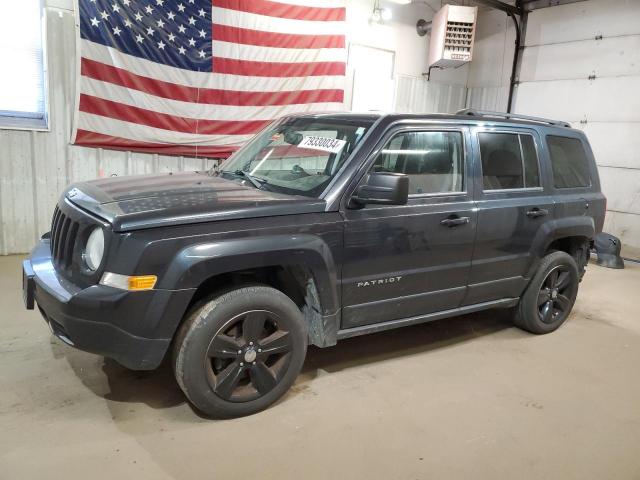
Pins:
x: 514, y: 204
x: 408, y: 260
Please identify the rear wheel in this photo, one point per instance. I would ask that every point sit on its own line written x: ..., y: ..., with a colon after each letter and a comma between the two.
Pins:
x: 549, y: 298
x: 238, y: 353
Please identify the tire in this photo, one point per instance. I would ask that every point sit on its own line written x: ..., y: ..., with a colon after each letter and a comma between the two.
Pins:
x: 540, y: 310
x: 239, y: 352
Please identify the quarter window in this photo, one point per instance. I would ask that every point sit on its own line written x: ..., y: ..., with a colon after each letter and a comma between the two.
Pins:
x: 433, y: 161
x: 569, y: 162
x: 509, y: 160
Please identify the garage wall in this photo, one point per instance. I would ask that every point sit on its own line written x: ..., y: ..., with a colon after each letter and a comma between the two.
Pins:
x: 36, y: 166
x: 565, y: 45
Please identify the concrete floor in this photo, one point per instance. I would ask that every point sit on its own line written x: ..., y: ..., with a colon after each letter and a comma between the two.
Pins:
x: 471, y: 397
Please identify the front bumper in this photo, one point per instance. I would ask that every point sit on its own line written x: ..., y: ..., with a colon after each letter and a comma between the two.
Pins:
x: 133, y: 328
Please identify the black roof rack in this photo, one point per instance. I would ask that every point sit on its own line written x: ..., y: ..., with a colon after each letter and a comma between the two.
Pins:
x: 512, y: 116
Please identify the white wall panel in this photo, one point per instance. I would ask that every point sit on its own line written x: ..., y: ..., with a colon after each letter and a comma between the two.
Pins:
x: 615, y: 56
x: 615, y: 144
x: 622, y: 188
x: 610, y: 99
x: 583, y: 20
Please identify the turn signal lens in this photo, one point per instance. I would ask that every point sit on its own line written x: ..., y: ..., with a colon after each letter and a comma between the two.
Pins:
x: 126, y: 282
x: 142, y: 282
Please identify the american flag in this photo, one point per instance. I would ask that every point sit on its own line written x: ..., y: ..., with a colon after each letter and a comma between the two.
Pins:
x: 196, y: 77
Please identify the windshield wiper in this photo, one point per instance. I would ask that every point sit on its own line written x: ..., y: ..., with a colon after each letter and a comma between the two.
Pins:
x: 255, y: 181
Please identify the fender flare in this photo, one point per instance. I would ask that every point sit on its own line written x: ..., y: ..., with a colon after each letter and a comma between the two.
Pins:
x: 196, y: 263
x: 553, y: 230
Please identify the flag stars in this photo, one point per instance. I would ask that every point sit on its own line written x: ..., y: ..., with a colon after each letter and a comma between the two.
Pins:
x: 181, y: 29
x: 149, y: 9
x: 95, y: 22
x: 126, y: 2
x: 160, y: 23
x: 192, y: 42
x: 171, y: 15
x: 115, y: 7
x: 203, y: 34
x: 139, y: 38
x: 192, y: 21
x: 104, y: 14
x: 201, y: 53
x: 202, y: 13
x: 182, y: 50
x: 116, y: 31
x: 150, y: 31
x: 138, y: 17
x: 181, y: 7
x: 161, y: 45
x: 160, y: 3
x: 172, y: 37
x: 127, y: 23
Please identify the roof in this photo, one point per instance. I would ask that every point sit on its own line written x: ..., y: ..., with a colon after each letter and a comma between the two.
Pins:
x: 467, y: 115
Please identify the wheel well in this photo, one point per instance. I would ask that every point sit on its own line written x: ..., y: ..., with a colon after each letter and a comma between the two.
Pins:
x: 294, y: 281
x: 577, y: 247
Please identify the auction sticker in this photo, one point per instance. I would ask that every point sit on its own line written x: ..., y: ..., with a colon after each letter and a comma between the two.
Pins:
x: 333, y: 145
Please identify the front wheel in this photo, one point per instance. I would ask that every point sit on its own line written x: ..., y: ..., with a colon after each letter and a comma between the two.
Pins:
x: 549, y: 298
x: 240, y: 352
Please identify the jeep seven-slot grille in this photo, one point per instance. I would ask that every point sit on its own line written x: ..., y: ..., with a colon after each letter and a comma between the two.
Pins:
x: 63, y: 238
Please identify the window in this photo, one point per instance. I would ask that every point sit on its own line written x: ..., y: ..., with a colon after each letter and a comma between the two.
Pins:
x: 509, y: 160
x: 297, y: 155
x: 569, y: 162
x: 22, y: 83
x: 433, y: 161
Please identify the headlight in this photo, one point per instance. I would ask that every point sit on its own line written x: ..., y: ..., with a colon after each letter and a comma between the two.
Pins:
x: 94, y: 249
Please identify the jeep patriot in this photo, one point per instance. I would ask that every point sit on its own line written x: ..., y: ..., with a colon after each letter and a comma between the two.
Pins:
x: 321, y: 227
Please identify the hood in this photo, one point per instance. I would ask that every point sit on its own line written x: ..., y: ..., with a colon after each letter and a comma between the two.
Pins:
x: 146, y: 201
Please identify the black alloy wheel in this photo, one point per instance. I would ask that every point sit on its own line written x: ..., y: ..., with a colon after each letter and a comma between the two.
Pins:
x: 555, y: 293
x: 248, y: 356
x: 548, y: 299
x: 238, y: 352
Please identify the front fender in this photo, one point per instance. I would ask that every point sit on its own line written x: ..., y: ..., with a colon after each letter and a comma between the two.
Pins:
x: 196, y: 263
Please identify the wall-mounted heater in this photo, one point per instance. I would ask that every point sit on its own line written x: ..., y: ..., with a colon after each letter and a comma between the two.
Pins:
x: 453, y: 30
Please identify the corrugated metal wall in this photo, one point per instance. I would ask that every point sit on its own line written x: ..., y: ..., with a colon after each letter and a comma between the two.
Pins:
x: 416, y: 95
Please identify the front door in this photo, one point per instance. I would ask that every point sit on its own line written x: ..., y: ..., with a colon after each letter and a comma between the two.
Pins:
x: 409, y: 260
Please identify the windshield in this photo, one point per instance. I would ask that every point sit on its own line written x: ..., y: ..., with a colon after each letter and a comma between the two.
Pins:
x: 296, y: 155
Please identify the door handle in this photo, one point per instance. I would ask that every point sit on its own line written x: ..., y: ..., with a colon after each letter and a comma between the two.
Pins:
x: 454, y: 221
x: 537, y: 212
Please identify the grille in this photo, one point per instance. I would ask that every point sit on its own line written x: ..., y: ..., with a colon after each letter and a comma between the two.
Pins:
x: 63, y: 238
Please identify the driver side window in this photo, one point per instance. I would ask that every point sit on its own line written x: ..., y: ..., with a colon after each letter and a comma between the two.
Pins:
x: 433, y: 161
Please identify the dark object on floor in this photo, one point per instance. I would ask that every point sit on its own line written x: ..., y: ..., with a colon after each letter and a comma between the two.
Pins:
x: 608, y: 249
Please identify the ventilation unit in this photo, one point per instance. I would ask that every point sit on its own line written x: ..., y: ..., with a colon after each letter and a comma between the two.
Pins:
x: 452, y: 32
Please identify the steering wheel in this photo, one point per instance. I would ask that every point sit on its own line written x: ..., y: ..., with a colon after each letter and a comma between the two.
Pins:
x: 297, y: 169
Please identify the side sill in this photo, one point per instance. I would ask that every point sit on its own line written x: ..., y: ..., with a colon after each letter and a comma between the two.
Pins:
x: 379, y: 327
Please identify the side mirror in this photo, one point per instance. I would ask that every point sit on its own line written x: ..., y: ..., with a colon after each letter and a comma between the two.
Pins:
x: 383, y: 188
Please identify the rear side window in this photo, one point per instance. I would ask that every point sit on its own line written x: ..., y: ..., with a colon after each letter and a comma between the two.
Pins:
x: 569, y: 162
x: 433, y: 161
x: 509, y: 160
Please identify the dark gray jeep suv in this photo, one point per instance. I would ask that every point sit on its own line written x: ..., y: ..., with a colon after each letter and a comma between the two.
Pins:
x: 320, y: 228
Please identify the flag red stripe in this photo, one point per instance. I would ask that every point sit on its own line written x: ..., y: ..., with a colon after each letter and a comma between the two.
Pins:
x: 172, y: 91
x: 98, y: 140
x: 276, y: 69
x: 225, y: 33
x: 283, y: 10
x: 126, y: 113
